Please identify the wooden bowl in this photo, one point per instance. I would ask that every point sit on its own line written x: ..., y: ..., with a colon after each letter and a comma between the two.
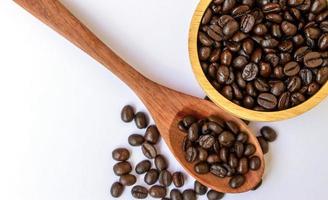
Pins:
x: 226, y: 104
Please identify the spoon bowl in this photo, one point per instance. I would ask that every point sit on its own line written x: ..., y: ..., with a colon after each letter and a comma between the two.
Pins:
x: 166, y: 105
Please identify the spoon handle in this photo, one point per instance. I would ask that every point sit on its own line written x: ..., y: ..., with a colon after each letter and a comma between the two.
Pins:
x: 59, y: 18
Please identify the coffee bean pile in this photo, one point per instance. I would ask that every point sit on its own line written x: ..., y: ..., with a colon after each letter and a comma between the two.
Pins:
x: 218, y: 147
x: 154, y: 168
x: 265, y: 55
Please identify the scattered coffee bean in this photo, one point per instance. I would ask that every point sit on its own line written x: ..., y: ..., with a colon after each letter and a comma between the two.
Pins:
x: 141, y: 120
x: 116, y: 190
x: 122, y: 168
x: 136, y: 140
x: 214, y: 195
x: 199, y: 188
x: 143, y: 167
x: 127, y: 113
x: 149, y: 150
x: 128, y: 179
x: 165, y: 178
x: 189, y: 194
x: 264, y: 144
x: 175, y: 194
x: 160, y: 162
x: 139, y: 192
x: 178, y: 179
x: 157, y: 191
x: 120, y: 154
x: 152, y: 134
x: 268, y: 134
x: 151, y: 176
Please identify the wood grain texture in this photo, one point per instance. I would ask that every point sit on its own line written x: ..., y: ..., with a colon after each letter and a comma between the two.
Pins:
x: 166, y: 106
x: 224, y: 103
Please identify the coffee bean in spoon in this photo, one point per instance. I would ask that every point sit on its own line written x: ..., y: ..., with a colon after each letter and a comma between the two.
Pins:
x: 237, y: 181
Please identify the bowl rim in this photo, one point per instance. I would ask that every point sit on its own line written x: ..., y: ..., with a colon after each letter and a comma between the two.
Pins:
x: 228, y: 105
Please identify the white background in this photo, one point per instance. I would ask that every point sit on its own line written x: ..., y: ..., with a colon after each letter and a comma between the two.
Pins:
x: 60, y: 110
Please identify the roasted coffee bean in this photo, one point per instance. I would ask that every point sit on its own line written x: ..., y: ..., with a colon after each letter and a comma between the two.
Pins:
x: 265, y: 69
x: 239, y: 36
x: 254, y: 163
x: 128, y: 179
x: 223, y: 73
x: 267, y: 101
x: 202, y: 154
x: 242, y: 166
x: 141, y: 120
x: 261, y: 85
x: 269, y: 43
x: 306, y: 76
x: 294, y: 84
x: 233, y: 160
x: 268, y: 133
x: 207, y: 16
x: 313, y: 59
x: 165, y: 178
x: 248, y: 102
x: 251, y: 90
x: 139, y: 192
x: 151, y: 176
x: 206, y: 141
x: 258, y: 185
x: 227, y: 92
x: 278, y: 88
x: 250, y: 72
x: 227, y: 138
x: 278, y: 72
x: 152, y: 134
x: 193, y: 132
x: 175, y: 194
x: 191, y: 154
x: 214, y: 195
x: 239, y: 149
x: 157, y: 191
x: 318, y: 6
x: 204, y: 53
x: 242, y: 137
x: 204, y: 39
x: 239, y: 62
x: 120, y: 154
x: 116, y: 190
x: 260, y: 29
x: 188, y: 121
x: 178, y: 179
x: 264, y: 144
x: 248, y: 46
x: 288, y: 28
x: 122, y: 168
x: 127, y: 113
x: 240, y: 11
x: 256, y: 55
x: 218, y: 170
x: 201, y: 168
x: 149, y: 150
x: 313, y: 88
x: 160, y: 162
x: 189, y: 194
x: 249, y: 149
x: 232, y: 127
x: 297, y: 98
x: 291, y: 68
x: 298, y: 39
x: 213, y: 158
x: 136, y: 140
x: 226, y: 57
x: 323, y: 41
x: 186, y: 143
x: 284, y: 101
x: 199, y: 188
x: 215, y: 55
x: 237, y: 181
x: 247, y: 23
x: 322, y: 75
x: 143, y: 167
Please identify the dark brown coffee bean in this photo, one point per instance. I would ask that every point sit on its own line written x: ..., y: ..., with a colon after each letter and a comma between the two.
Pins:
x: 318, y: 6
x: 141, y: 120
x: 127, y: 113
x: 298, y: 39
x: 291, y: 68
x: 143, y: 167
x: 201, y: 168
x: 202, y: 154
x: 224, y: 154
x: 267, y: 101
x: 226, y: 57
x: 294, y: 84
x: 256, y: 55
x: 240, y: 11
x: 237, y: 181
x: 306, y: 76
x: 248, y: 46
x: 239, y: 149
x: 149, y: 150
x: 136, y: 140
x: 295, y: 2
x: 247, y: 23
x: 249, y: 149
x: 284, y: 101
x: 165, y: 178
x: 230, y: 171
x: 322, y: 75
x: 254, y: 163
x: 160, y: 162
x: 204, y: 53
x: 218, y: 170
x: 207, y: 16
x: 191, y: 154
x: 271, y: 7
x: 227, y: 138
x: 278, y: 88
x: 257, y: 186
x: 261, y: 85
x: 272, y: 58
x: 157, y: 191
x: 248, y: 102
x: 260, y: 29
x: 178, y: 179
x: 116, y: 189
x: 128, y: 179
x: 239, y: 62
x: 193, y: 132
x: 204, y: 39
x: 297, y: 98
x: 121, y: 154
x: 199, y: 188
x: 242, y: 166
x: 139, y: 192
x: 286, y: 46
x: 268, y: 133
x: 288, y: 28
x: 152, y: 134
x: 206, y: 141
x: 223, y: 74
x: 175, y: 194
x: 264, y: 144
x: 269, y: 43
x: 213, y: 158
x: 239, y: 36
x: 250, y: 72
x: 313, y: 59
x: 300, y: 53
x: 323, y: 42
x: 251, y: 90
x: 232, y: 127
x: 233, y: 160
x: 122, y: 168
x: 265, y: 69
x: 242, y: 137
x: 313, y: 88
x: 214, y: 195
x: 215, y: 127
x: 227, y: 92
x: 151, y: 176
x: 186, y: 143
x: 188, y: 121
x: 190, y: 194
x: 215, y: 55
x: 322, y: 16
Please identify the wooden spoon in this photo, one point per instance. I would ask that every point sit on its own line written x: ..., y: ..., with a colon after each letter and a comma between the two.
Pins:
x: 166, y: 106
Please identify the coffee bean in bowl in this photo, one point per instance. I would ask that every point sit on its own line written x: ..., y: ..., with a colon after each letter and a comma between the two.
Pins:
x: 262, y: 55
